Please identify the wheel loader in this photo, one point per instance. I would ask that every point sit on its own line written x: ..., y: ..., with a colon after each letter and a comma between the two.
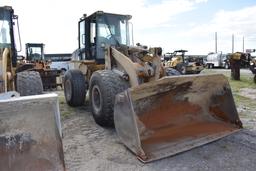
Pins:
x: 30, y: 129
x: 154, y: 114
x: 35, y: 61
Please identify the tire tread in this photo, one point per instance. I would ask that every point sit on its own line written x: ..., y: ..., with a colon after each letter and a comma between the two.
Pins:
x: 111, y: 85
x: 29, y: 83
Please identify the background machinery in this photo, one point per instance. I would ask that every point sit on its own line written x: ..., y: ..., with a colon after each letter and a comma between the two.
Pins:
x: 184, y: 65
x: 35, y: 61
x: 155, y: 115
x: 30, y: 130
x: 253, y: 68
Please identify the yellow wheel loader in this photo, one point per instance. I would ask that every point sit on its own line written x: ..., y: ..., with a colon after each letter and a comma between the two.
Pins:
x: 155, y: 115
x: 35, y: 61
x: 30, y: 130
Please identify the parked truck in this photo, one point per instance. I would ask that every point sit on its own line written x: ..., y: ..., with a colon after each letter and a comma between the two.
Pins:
x: 59, y: 61
x: 217, y: 60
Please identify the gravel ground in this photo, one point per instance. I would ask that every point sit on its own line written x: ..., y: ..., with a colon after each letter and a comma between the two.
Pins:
x: 88, y: 146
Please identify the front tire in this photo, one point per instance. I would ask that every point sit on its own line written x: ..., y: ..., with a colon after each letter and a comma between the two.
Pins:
x: 29, y: 83
x: 75, y: 88
x: 104, y: 86
x: 172, y: 72
x: 181, y: 67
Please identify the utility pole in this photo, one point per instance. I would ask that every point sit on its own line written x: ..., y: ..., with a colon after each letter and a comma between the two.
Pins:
x: 243, y: 44
x: 216, y: 42
x: 232, y: 43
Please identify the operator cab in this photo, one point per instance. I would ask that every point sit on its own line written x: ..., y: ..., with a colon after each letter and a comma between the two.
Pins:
x: 180, y: 54
x: 7, y: 20
x: 35, y: 51
x: 100, y: 30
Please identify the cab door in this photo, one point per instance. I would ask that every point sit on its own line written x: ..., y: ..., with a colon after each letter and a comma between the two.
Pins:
x: 87, y: 34
x: 82, y: 40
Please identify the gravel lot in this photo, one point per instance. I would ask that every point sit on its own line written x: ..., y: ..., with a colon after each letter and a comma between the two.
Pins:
x: 87, y: 146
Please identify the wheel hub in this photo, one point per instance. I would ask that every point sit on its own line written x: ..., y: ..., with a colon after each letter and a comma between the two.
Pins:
x: 67, y: 89
x: 96, y: 99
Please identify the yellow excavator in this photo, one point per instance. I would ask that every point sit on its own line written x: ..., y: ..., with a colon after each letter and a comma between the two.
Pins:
x: 155, y: 115
x: 30, y: 129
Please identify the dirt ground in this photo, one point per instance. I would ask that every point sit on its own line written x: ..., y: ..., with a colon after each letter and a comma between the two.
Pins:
x: 88, y: 146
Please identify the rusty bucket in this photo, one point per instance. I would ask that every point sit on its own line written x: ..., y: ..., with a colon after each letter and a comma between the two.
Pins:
x: 30, y: 134
x: 175, y: 114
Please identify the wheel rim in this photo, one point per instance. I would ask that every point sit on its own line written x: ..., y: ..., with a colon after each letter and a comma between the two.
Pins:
x: 183, y: 70
x: 96, y: 99
x: 67, y: 89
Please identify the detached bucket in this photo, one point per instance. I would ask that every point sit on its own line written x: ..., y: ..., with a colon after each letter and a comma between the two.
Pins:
x: 175, y: 114
x: 30, y: 134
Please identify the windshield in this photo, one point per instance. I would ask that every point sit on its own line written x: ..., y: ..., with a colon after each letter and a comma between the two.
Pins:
x: 35, y: 53
x: 113, y: 29
x: 5, y: 38
x: 4, y: 34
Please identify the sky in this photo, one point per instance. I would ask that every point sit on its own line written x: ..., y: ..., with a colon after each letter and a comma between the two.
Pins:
x: 170, y: 24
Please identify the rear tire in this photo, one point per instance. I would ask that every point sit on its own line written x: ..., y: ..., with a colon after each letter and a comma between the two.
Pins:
x: 104, y: 86
x: 29, y: 83
x: 210, y: 66
x: 75, y: 87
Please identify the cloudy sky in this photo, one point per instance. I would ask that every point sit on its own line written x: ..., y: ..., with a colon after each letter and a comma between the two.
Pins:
x: 171, y: 24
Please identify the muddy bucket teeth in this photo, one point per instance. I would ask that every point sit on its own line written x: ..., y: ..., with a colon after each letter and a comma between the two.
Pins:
x: 175, y: 114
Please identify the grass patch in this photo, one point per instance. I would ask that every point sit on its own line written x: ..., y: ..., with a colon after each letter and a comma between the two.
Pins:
x: 248, y: 126
x: 66, y: 111
x: 62, y: 99
x: 244, y: 101
x: 241, y: 100
x: 65, y: 114
x: 245, y: 82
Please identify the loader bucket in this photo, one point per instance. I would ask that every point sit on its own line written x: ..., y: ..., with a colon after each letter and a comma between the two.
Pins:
x: 175, y: 114
x: 30, y: 134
